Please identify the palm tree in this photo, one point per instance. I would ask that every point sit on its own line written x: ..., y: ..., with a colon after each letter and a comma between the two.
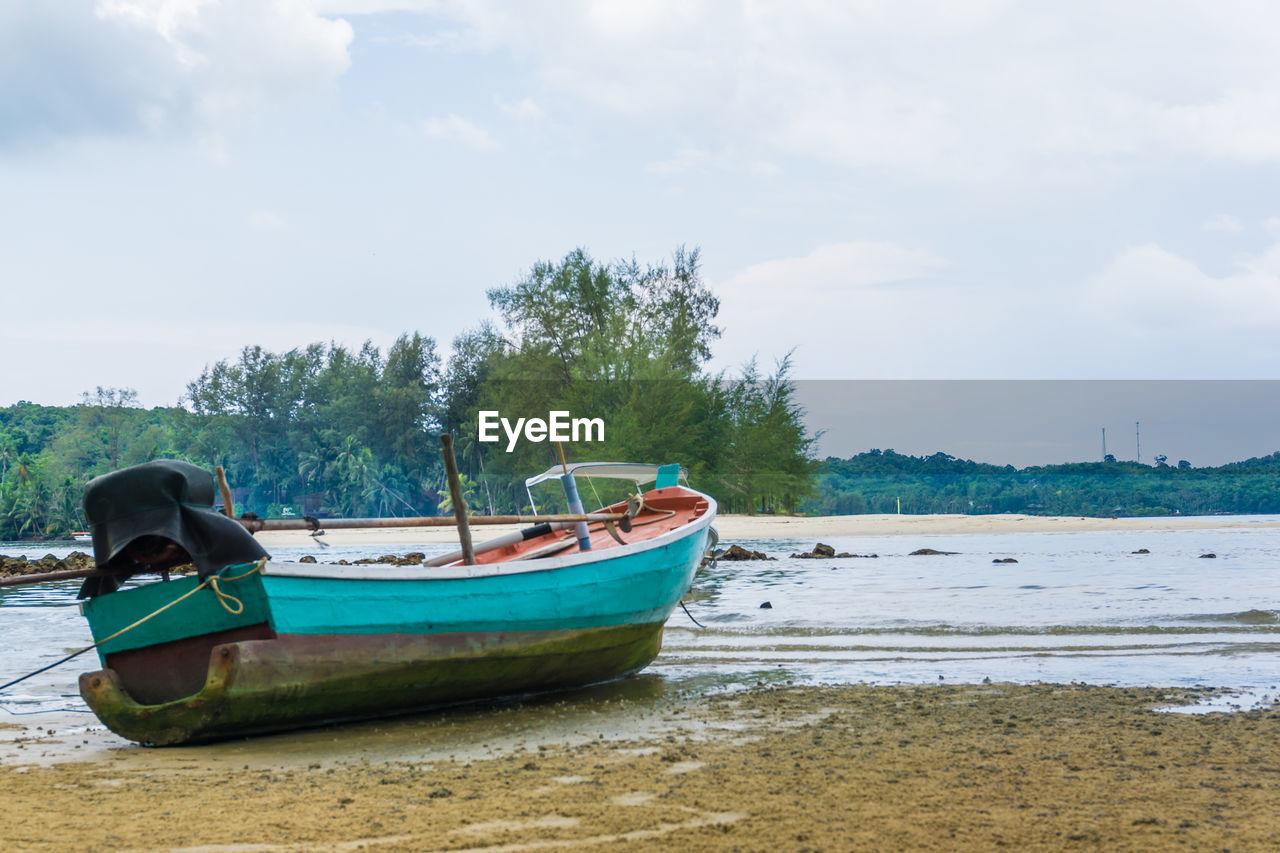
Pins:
x: 354, y: 464
x: 385, y: 493
x: 468, y: 487
x: 316, y: 465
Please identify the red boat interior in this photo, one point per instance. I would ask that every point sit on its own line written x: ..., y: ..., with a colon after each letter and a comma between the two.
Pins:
x: 661, y: 511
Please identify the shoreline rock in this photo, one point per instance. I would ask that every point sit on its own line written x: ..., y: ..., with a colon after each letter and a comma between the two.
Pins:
x: 20, y: 565
x: 826, y: 552
x: 737, y: 552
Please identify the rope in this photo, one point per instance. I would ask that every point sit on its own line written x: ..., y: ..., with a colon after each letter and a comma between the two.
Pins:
x: 225, y: 597
x: 644, y: 507
x: 591, y: 483
x: 690, y: 615
x: 211, y: 582
x: 660, y: 515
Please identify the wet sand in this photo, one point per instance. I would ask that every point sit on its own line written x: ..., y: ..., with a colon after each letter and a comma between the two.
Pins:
x: 967, y: 767
x: 649, y: 765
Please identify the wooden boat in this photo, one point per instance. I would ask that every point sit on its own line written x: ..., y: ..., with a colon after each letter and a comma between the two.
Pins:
x: 268, y: 645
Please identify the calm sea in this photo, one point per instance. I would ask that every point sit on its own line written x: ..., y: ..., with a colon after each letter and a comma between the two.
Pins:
x: 1074, y: 607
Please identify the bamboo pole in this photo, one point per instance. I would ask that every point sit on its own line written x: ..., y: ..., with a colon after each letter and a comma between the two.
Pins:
x: 255, y: 525
x: 455, y: 497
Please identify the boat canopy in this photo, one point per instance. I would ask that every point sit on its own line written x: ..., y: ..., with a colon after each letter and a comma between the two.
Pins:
x: 636, y: 472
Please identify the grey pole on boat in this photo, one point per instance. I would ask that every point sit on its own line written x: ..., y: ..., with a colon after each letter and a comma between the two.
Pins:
x: 455, y: 497
x: 575, y: 502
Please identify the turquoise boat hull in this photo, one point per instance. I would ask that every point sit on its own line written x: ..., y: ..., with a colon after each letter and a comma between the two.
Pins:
x: 286, y: 645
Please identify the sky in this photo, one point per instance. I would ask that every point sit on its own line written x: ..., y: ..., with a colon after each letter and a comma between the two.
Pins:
x: 1046, y: 422
x: 901, y: 190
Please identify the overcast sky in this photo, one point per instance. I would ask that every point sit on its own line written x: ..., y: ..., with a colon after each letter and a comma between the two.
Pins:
x: 897, y: 190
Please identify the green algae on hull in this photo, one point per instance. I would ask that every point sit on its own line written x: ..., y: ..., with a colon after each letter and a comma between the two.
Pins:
x: 260, y: 686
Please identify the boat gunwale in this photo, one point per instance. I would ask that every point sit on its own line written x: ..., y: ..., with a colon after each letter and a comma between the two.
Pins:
x: 380, y: 571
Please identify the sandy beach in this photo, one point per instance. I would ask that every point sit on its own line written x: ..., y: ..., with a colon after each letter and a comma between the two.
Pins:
x: 732, y: 527
x: 967, y: 767
x: 646, y: 764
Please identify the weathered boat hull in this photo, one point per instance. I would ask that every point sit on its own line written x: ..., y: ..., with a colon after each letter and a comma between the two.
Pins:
x: 285, y: 645
x: 294, y: 680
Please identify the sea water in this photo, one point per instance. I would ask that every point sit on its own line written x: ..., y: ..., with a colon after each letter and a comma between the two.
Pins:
x: 1075, y: 607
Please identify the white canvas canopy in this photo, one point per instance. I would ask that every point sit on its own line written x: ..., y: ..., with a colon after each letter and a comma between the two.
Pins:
x: 637, y: 473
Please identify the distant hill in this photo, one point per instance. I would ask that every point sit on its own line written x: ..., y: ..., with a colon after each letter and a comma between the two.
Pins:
x: 875, y: 481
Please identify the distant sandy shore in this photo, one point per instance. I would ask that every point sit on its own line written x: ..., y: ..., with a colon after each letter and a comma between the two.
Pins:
x: 787, y: 527
x: 734, y: 527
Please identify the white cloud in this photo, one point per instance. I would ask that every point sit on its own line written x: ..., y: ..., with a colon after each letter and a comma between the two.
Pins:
x: 455, y: 128
x: 147, y: 66
x: 838, y: 267
x: 1223, y: 222
x: 1155, y: 290
x: 983, y: 91
x: 839, y: 303
x: 688, y: 159
x: 884, y: 311
x: 1236, y: 124
x: 684, y: 160
x: 523, y: 110
x: 266, y: 220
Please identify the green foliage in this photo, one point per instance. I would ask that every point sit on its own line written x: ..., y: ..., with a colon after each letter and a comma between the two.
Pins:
x: 333, y: 431
x: 769, y: 465
x: 48, y: 453
x: 323, y: 429
x: 875, y: 481
x: 627, y: 345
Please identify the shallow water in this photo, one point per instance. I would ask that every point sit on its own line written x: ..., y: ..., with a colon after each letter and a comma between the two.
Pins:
x: 1075, y: 607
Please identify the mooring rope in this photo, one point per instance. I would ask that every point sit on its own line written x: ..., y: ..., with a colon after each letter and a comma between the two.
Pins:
x: 211, y: 582
x: 690, y: 615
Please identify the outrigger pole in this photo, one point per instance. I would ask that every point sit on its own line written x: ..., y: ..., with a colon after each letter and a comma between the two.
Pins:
x: 308, y: 523
x: 253, y: 525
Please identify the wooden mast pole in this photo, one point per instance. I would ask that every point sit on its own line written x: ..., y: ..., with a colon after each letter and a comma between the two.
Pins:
x: 455, y: 497
x: 228, y: 506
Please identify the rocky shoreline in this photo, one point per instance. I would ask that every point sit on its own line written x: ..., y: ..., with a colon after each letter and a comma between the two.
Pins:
x: 20, y: 565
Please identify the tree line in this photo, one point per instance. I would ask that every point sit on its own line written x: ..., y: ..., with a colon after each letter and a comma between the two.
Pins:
x: 330, y: 430
x: 882, y: 481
